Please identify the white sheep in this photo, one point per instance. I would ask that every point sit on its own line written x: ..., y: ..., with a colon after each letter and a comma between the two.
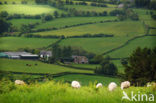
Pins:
x: 149, y: 84
x: 112, y: 86
x: 125, y: 84
x: 99, y: 85
x: 19, y: 82
x: 75, y: 84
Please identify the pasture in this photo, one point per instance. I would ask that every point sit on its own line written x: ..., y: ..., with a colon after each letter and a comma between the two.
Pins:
x: 15, y: 43
x: 86, y: 79
x: 123, y: 28
x: 61, y: 22
x: 18, y: 1
x: 90, y: 8
x: 18, y: 22
x: 126, y: 51
x: 95, y: 45
x: 27, y: 9
x: 152, y: 31
x: 52, y: 92
x: 20, y: 66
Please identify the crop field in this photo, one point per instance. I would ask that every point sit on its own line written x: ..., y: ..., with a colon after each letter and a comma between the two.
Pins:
x: 95, y: 45
x: 90, y: 8
x: 86, y: 79
x: 61, y: 22
x: 27, y: 9
x: 52, y: 92
x: 18, y: 22
x: 20, y: 66
x: 15, y: 43
x: 125, y: 28
x: 148, y: 41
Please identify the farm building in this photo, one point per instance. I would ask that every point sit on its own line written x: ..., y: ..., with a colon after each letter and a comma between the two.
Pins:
x: 80, y: 59
x: 46, y: 54
x: 3, y: 55
x: 21, y: 55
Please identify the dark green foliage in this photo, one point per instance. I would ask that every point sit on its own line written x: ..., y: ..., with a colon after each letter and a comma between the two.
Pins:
x: 47, y: 17
x: 106, y: 68
x: 141, y: 66
x: 4, y: 26
x: 4, y: 14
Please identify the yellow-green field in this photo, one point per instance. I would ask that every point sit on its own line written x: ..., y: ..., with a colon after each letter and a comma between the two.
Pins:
x: 27, y: 9
x: 124, y: 28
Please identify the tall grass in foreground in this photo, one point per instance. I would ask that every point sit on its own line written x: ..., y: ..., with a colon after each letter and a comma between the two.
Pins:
x: 52, y: 92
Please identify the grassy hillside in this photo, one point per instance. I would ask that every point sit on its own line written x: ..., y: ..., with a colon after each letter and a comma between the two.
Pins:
x: 18, y: 1
x: 152, y: 31
x: 61, y: 22
x: 90, y: 8
x: 20, y: 66
x: 51, y: 92
x: 126, y: 51
x: 15, y: 43
x: 124, y: 28
x: 27, y: 9
x: 86, y: 79
x: 18, y: 22
x: 95, y: 45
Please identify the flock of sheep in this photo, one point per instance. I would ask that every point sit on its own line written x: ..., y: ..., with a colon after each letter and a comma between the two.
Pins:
x: 75, y: 84
x: 111, y: 87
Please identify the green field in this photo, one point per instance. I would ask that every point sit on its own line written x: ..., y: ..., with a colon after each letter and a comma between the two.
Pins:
x: 20, y: 66
x: 90, y: 8
x: 95, y: 45
x: 52, y: 92
x: 124, y: 28
x: 148, y: 41
x: 119, y: 66
x: 152, y: 31
x: 27, y: 9
x: 144, y: 16
x: 86, y: 79
x: 61, y: 22
x: 18, y: 1
x: 15, y: 43
x: 18, y: 22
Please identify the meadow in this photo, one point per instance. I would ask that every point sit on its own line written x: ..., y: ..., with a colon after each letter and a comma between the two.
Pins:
x: 123, y: 28
x: 126, y: 51
x: 28, y: 9
x: 16, y: 43
x: 20, y: 66
x: 87, y: 79
x: 95, y: 45
x: 18, y: 22
x: 152, y: 31
x: 91, y: 8
x: 61, y: 22
x: 52, y: 92
x: 18, y: 1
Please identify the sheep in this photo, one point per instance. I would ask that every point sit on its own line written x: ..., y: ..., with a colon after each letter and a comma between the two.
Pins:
x: 125, y: 84
x: 149, y: 84
x: 112, y: 86
x: 19, y: 82
x: 99, y: 85
x: 75, y: 84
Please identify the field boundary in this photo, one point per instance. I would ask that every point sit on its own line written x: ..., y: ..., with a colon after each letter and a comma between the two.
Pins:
x: 125, y: 44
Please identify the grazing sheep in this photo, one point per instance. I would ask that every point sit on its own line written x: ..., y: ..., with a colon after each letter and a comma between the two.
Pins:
x: 125, y: 84
x: 19, y: 82
x: 149, y: 84
x: 99, y: 85
x: 75, y: 84
x: 112, y: 86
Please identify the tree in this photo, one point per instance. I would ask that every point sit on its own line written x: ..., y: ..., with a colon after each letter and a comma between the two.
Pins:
x: 56, y: 14
x: 141, y: 66
x: 106, y: 67
x: 4, y: 14
x: 4, y: 26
